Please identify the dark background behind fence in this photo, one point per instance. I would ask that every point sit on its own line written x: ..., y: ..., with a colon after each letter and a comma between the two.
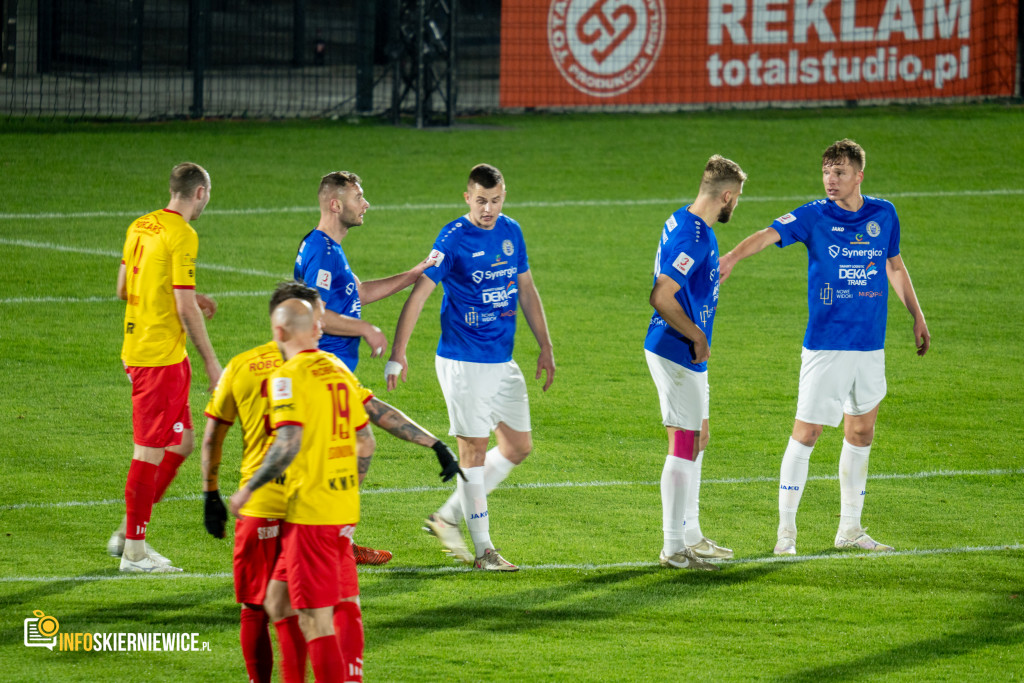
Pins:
x: 154, y: 59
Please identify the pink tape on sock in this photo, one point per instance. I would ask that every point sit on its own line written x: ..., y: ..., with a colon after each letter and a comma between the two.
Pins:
x: 684, y: 444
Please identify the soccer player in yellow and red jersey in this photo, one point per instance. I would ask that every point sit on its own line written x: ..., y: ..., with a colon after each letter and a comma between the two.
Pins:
x: 320, y: 427
x: 242, y: 394
x: 157, y: 278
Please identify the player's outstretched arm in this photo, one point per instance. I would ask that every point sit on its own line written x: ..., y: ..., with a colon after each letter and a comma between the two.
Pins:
x: 347, y: 326
x: 410, y: 315
x: 215, y: 515
x: 663, y: 299
x: 192, y: 320
x: 533, y: 310
x: 748, y: 247
x: 397, y: 423
x: 899, y: 277
x: 280, y: 454
x: 375, y: 290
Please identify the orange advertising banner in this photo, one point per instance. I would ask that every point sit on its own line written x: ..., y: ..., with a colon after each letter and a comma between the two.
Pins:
x: 557, y: 53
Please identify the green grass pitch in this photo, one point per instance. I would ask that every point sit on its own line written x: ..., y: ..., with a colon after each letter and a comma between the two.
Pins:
x: 582, y: 515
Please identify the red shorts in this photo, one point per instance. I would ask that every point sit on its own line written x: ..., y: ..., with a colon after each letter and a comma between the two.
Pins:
x: 257, y: 545
x: 318, y: 564
x: 160, y: 410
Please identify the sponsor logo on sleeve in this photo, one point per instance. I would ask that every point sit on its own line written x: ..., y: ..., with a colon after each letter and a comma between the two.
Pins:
x: 671, y: 223
x: 683, y: 263
x: 788, y: 218
x: 437, y: 256
x: 323, y: 279
x: 281, y: 389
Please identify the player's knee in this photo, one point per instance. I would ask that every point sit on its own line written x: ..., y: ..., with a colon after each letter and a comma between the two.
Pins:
x: 685, y: 443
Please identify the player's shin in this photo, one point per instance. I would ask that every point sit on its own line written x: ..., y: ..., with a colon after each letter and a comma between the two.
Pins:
x: 853, y: 479
x: 256, y: 650
x: 474, y: 507
x: 348, y: 629
x: 792, y: 479
x: 292, y: 644
x: 693, y: 534
x: 139, y: 492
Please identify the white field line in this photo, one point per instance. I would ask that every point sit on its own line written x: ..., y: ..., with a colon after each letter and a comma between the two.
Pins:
x: 453, y: 569
x: 59, y: 215
x: 558, y: 485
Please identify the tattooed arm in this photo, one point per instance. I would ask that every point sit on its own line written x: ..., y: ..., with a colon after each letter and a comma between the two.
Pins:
x: 365, y: 445
x: 395, y: 422
x: 284, y: 449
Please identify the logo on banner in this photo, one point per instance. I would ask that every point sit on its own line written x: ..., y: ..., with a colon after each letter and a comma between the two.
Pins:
x: 605, y: 47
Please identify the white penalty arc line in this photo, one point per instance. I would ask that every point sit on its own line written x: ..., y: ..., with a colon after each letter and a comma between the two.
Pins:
x: 459, y: 569
x: 562, y: 484
x: 554, y: 204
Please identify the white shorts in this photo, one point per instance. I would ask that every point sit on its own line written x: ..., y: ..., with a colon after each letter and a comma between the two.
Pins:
x: 836, y: 382
x: 684, y: 393
x: 480, y: 395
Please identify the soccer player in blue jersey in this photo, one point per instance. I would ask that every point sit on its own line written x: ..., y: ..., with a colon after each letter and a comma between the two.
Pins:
x: 849, y: 238
x: 678, y: 345
x: 321, y: 263
x: 481, y: 260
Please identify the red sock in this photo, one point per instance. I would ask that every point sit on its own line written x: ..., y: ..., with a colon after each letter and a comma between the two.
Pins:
x: 256, y: 650
x: 293, y: 649
x: 139, y: 492
x: 348, y: 629
x: 325, y: 655
x: 168, y: 470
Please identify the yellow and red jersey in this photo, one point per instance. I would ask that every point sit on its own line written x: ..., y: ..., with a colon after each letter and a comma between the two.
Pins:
x: 242, y: 394
x: 316, y: 391
x: 159, y: 256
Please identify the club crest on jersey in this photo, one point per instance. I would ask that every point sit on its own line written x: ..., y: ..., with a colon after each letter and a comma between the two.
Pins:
x: 281, y: 389
x: 683, y: 263
x: 873, y: 229
x: 323, y: 279
x: 507, y: 247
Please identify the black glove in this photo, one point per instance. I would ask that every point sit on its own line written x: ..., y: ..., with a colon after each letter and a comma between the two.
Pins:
x: 215, y: 515
x: 449, y: 464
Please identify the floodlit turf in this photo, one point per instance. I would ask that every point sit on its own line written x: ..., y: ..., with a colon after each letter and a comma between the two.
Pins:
x: 582, y: 516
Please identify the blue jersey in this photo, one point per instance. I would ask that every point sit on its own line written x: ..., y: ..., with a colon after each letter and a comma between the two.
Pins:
x: 479, y: 270
x: 322, y: 264
x: 847, y: 286
x: 687, y: 253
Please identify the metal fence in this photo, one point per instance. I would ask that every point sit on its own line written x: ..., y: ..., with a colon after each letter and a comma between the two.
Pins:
x: 433, y: 59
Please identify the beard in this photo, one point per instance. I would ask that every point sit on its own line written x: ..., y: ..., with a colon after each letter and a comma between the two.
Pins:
x: 726, y: 213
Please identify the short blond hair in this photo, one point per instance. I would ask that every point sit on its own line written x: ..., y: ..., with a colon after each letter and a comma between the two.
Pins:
x: 720, y: 171
x: 186, y: 177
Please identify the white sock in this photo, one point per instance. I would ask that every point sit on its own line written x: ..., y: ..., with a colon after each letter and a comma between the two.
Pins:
x: 792, y: 479
x: 853, y: 479
x: 675, y: 482
x: 474, y: 507
x: 496, y: 469
x: 693, y: 533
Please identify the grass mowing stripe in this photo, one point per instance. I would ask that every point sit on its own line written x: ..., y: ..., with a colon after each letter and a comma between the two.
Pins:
x: 525, y: 204
x: 51, y: 246
x: 110, y: 299
x: 786, y: 559
x: 566, y: 484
